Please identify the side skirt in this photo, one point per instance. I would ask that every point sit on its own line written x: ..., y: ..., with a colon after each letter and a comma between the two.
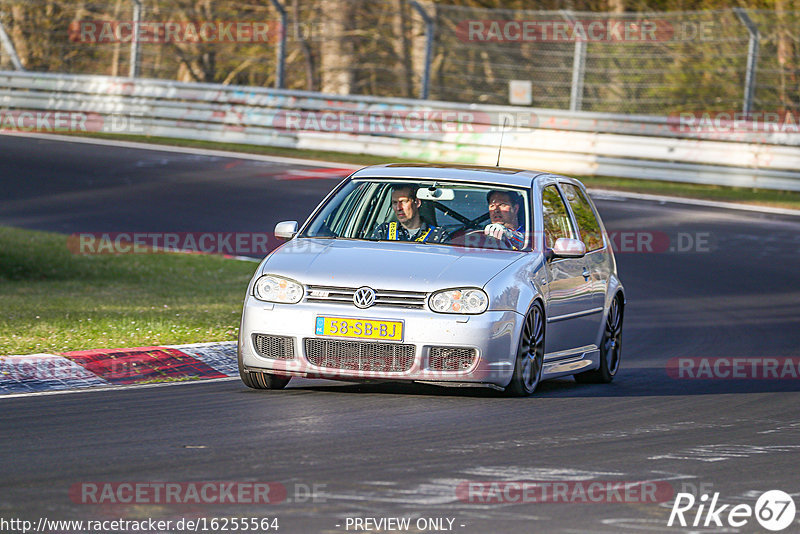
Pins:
x: 561, y: 364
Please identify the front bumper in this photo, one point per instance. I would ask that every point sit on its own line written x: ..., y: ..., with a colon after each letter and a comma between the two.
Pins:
x: 493, y: 334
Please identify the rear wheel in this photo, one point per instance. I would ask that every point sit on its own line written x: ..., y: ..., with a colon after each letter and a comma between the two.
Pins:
x: 530, y: 354
x: 610, y: 348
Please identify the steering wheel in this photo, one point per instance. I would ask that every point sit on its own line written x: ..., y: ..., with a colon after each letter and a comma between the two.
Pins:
x: 469, y: 225
x: 462, y: 231
x: 476, y: 239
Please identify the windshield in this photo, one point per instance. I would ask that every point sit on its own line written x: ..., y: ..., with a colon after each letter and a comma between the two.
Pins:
x: 432, y: 212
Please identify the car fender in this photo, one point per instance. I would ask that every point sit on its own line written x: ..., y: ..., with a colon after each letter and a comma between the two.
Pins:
x: 613, y: 287
x: 517, y: 286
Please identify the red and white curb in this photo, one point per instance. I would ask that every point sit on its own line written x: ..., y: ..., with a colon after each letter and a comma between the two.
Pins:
x: 37, y: 373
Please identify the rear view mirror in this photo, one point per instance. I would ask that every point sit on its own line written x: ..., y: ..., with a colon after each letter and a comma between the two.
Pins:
x: 286, y: 229
x: 435, y: 193
x: 569, y: 248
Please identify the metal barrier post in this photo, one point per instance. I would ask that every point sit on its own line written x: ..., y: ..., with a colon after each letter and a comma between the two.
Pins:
x: 578, y: 68
x: 137, y: 22
x: 430, y: 29
x: 8, y: 46
x: 281, y: 52
x: 752, y: 59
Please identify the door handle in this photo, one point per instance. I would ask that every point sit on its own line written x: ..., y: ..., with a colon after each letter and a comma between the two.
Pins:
x: 586, y: 274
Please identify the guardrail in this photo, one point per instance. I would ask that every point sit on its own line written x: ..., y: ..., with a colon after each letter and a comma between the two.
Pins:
x: 580, y: 143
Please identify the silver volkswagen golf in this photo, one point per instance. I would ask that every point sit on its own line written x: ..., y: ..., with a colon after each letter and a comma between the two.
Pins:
x: 451, y: 275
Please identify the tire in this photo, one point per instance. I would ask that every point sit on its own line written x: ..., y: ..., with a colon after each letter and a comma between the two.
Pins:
x: 610, y: 347
x: 530, y: 354
x: 259, y: 380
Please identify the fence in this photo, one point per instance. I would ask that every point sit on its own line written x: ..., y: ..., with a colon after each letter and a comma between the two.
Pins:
x: 579, y: 143
x: 628, y: 63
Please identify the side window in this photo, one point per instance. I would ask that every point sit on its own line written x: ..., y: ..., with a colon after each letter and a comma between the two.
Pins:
x: 337, y: 221
x: 375, y: 202
x: 556, y: 218
x: 588, y: 226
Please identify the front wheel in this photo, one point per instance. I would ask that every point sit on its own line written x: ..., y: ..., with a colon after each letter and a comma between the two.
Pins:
x: 259, y: 380
x: 530, y: 354
x: 610, y: 348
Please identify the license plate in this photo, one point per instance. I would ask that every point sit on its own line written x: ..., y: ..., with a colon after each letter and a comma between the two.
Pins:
x: 359, y: 328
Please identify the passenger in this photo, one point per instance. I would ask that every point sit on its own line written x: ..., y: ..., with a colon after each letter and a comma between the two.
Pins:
x: 504, y: 209
x: 410, y: 225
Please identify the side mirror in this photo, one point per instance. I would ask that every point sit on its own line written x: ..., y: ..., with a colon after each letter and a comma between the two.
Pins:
x: 286, y: 230
x: 569, y: 248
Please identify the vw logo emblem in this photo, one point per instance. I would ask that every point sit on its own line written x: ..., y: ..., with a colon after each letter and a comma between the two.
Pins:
x: 364, y: 297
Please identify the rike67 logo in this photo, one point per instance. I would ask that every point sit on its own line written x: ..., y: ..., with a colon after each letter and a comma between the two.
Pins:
x: 774, y: 510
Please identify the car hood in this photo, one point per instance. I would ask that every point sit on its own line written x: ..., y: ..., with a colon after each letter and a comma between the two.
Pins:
x: 386, y: 264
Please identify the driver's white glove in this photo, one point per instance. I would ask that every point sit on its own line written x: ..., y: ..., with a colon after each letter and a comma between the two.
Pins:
x: 498, y: 231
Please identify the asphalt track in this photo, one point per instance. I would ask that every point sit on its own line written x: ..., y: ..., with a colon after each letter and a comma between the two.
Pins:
x: 384, y: 450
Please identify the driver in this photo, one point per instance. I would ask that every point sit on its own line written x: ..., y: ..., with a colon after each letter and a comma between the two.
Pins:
x: 504, y: 209
x: 410, y: 225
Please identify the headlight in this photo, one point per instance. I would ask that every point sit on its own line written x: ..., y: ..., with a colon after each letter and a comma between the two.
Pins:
x: 276, y: 289
x: 468, y: 301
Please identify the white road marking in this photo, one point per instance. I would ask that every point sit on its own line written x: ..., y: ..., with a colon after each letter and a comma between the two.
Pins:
x: 547, y: 474
x: 720, y: 453
x: 118, y: 388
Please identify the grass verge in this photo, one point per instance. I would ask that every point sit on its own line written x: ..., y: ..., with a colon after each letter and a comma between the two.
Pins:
x: 758, y: 197
x: 55, y: 301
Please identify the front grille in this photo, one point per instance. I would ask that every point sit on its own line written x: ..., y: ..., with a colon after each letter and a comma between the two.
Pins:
x: 360, y: 355
x: 451, y: 358
x: 383, y: 297
x: 276, y: 347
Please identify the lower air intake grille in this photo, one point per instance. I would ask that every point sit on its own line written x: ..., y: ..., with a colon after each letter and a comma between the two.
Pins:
x: 360, y: 355
x: 451, y: 358
x: 276, y: 347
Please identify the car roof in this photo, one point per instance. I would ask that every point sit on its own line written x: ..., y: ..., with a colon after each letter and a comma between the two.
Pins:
x: 461, y: 173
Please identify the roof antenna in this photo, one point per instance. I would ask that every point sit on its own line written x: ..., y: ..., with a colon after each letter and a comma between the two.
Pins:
x: 502, y: 132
